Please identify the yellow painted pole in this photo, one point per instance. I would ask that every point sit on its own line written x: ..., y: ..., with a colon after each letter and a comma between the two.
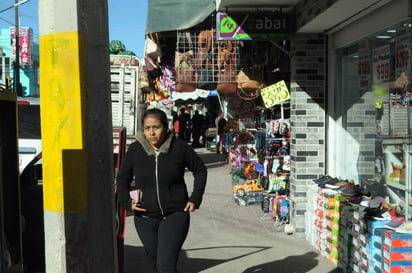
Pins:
x: 78, y: 176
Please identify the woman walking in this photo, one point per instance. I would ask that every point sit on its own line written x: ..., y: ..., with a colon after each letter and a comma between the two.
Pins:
x: 157, y: 162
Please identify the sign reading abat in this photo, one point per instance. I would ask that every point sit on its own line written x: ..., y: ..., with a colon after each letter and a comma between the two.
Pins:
x: 248, y: 26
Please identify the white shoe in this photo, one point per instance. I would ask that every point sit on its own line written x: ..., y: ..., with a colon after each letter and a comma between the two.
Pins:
x: 405, y: 228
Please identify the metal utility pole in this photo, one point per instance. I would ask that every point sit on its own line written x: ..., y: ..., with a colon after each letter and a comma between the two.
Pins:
x: 16, y: 71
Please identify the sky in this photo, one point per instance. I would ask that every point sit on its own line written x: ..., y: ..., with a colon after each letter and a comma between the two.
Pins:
x: 127, y: 20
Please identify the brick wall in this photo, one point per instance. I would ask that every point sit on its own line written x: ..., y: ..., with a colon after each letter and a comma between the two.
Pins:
x: 308, y: 80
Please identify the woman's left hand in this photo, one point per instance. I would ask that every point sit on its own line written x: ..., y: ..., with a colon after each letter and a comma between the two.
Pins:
x: 190, y: 207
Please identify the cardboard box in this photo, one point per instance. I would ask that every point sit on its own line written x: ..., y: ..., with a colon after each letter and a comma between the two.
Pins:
x: 397, y: 240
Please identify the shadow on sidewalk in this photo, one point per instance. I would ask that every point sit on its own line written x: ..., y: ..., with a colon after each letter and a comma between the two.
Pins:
x: 291, y: 264
x: 136, y: 259
x: 211, y: 159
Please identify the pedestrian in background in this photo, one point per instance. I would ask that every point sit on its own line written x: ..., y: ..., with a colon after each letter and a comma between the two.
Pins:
x: 184, y: 124
x: 156, y: 161
x: 198, y: 121
x: 221, y: 136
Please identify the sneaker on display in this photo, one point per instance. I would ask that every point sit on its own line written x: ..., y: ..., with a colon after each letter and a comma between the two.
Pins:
x: 393, y: 225
x: 404, y: 228
x: 374, y: 202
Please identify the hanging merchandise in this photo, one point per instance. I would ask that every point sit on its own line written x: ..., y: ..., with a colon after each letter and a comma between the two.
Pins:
x: 227, y: 66
x: 245, y: 82
x: 144, y: 83
x: 206, y: 44
x: 168, y: 78
x: 186, y: 76
x: 247, y: 88
x: 152, y: 52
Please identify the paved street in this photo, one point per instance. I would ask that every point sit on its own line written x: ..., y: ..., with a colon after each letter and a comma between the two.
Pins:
x: 226, y: 237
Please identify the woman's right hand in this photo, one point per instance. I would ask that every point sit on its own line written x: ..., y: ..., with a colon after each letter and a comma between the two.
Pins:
x: 136, y: 206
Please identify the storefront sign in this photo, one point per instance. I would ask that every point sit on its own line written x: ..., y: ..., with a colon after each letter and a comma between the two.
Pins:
x: 275, y: 94
x: 381, y: 64
x: 248, y: 26
x: 25, y: 45
x: 364, y: 67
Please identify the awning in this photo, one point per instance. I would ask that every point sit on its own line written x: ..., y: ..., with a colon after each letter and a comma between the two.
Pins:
x: 198, y: 93
x: 168, y: 15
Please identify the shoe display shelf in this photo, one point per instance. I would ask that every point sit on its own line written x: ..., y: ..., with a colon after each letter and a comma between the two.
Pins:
x: 276, y: 208
x: 347, y: 236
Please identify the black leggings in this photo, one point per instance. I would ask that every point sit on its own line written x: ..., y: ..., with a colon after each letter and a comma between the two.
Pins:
x: 163, y: 238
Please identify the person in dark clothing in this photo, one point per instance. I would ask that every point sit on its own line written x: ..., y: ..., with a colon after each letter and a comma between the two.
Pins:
x: 198, y: 121
x: 156, y: 161
x: 221, y: 136
x: 184, y: 124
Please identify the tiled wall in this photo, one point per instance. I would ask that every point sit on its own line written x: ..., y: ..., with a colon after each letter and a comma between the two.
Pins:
x: 308, y: 83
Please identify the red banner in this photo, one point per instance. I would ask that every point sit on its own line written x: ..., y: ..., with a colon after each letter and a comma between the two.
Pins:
x: 25, y: 45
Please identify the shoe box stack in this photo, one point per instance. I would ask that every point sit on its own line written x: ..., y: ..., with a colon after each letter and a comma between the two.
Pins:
x: 332, y: 216
x: 375, y: 245
x: 345, y: 238
x: 322, y: 222
x: 313, y: 225
x: 359, y: 237
x: 397, y: 252
x: 359, y: 256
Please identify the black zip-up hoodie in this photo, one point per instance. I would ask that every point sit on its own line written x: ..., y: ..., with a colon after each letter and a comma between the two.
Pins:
x: 160, y: 175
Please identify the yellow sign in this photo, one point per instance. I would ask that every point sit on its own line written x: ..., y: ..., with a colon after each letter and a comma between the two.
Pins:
x: 275, y: 94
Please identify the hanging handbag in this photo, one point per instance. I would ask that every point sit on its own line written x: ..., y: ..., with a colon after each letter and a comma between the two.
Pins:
x: 186, y: 78
x: 226, y: 64
x: 185, y: 73
x: 205, y: 60
x: 247, y: 95
x: 205, y: 48
x: 143, y: 81
x: 226, y: 82
x: 246, y: 83
x: 247, y: 88
x: 152, y: 52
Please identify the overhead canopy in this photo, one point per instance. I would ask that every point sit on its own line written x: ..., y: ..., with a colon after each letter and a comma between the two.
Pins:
x: 168, y: 15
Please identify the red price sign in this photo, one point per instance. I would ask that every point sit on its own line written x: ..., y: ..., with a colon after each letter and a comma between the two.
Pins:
x: 364, y: 68
x: 382, y: 71
x: 402, y: 59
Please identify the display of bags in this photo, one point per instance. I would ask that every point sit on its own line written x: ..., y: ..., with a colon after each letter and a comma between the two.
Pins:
x: 205, y: 48
x: 144, y: 83
x: 227, y: 65
x: 185, y: 73
x: 186, y: 76
x: 227, y: 56
x: 152, y: 52
x: 205, y: 59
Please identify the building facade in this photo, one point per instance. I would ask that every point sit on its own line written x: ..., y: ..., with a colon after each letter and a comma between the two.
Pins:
x: 29, y: 59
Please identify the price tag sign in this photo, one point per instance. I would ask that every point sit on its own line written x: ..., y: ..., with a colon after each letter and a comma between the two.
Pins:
x: 381, y: 64
x: 275, y: 94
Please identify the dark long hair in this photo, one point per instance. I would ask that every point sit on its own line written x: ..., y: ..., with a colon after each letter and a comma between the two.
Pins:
x: 159, y: 114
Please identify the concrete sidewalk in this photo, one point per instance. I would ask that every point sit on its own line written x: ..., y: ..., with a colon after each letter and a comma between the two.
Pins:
x: 225, y: 237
